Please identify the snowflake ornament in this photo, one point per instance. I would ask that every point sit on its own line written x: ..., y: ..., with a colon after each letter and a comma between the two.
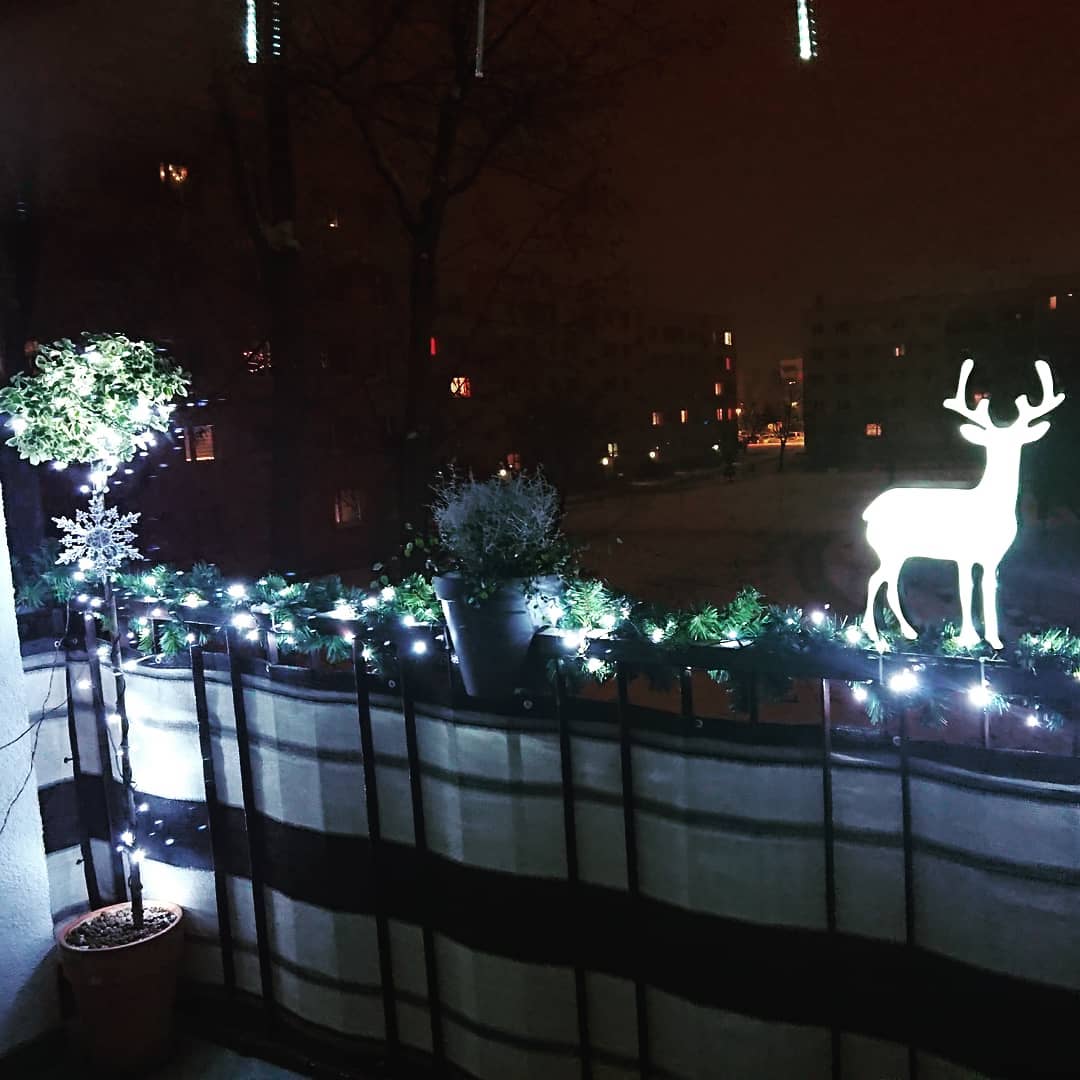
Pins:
x: 100, y: 539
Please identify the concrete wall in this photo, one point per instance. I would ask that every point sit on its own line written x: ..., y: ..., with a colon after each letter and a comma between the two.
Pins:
x: 28, y: 1004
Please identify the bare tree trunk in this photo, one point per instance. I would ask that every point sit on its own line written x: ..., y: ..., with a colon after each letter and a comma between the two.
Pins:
x: 419, y: 434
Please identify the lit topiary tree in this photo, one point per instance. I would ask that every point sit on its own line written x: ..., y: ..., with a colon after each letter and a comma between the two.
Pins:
x: 97, y: 403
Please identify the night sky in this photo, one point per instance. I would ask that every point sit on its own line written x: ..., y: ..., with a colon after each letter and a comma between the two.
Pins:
x: 934, y: 144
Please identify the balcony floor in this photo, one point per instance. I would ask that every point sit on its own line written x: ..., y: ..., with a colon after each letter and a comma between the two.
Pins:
x: 194, y: 1060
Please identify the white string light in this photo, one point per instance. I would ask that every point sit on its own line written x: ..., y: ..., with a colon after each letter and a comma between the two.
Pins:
x: 903, y: 681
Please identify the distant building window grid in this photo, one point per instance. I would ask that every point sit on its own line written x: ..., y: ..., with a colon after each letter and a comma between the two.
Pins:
x: 873, y: 430
x: 728, y: 340
x: 684, y: 415
x: 461, y: 386
x: 719, y: 389
x: 657, y: 419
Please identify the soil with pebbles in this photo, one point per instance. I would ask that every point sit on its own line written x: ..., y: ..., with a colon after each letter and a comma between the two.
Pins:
x: 112, y: 928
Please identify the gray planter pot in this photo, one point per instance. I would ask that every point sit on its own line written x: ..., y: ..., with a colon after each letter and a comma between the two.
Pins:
x: 491, y: 639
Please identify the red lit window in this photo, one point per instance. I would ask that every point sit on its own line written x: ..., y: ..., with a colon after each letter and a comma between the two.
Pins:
x: 199, y: 444
x: 657, y: 419
x: 1053, y: 303
x: 731, y: 414
x: 513, y: 461
x: 460, y: 386
x: 684, y: 415
x: 433, y: 346
x: 719, y: 414
x: 719, y: 389
x: 729, y: 363
x: 873, y: 431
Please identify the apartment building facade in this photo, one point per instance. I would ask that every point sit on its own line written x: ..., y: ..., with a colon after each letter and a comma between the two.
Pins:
x: 876, y: 374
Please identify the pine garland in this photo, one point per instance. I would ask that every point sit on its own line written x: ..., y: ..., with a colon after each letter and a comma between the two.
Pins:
x: 586, y: 609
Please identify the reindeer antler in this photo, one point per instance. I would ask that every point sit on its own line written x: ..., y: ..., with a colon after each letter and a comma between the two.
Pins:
x: 958, y: 402
x: 1026, y: 412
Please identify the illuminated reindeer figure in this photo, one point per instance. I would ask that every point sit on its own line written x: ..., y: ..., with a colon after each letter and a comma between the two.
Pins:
x: 977, y: 525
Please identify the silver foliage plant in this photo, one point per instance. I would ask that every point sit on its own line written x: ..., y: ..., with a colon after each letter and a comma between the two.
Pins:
x: 497, y: 530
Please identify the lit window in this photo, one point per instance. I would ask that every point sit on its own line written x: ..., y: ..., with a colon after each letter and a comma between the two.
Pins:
x: 719, y: 388
x: 513, y: 461
x: 433, y: 346
x: 251, y: 35
x: 173, y: 175
x: 684, y: 415
x: 657, y: 419
x: 1053, y: 303
x: 348, y: 507
x: 719, y: 414
x: 729, y: 363
x: 731, y: 414
x: 727, y: 337
x: 199, y: 444
x: 334, y: 222
x: 899, y: 350
x: 613, y: 449
x: 460, y: 386
x: 873, y: 431
x: 258, y: 359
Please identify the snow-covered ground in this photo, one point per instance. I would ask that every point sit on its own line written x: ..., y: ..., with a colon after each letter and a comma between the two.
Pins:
x: 798, y: 536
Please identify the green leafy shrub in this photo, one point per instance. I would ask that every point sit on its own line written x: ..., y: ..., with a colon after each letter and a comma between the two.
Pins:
x: 92, y: 402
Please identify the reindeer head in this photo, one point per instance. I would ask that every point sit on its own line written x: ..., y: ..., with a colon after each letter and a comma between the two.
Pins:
x: 984, y: 432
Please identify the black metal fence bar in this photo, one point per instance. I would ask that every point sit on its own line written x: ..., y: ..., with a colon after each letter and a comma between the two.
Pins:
x: 86, y: 851
x: 371, y: 802
x: 686, y: 693
x: 416, y: 791
x: 827, y: 805
x: 909, y: 866
x: 106, y: 755
x: 214, y: 817
x: 829, y: 833
x: 573, y: 874
x: 253, y: 822
x: 633, y: 883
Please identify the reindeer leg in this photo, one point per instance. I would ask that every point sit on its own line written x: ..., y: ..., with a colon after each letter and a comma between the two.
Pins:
x: 968, y: 635
x: 873, y: 586
x: 989, y: 603
x: 906, y: 628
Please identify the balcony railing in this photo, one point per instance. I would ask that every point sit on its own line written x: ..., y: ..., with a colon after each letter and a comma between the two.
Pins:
x: 896, y: 747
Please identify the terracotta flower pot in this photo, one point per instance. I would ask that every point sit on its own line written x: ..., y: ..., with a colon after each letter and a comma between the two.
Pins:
x: 125, y: 993
x: 491, y: 639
